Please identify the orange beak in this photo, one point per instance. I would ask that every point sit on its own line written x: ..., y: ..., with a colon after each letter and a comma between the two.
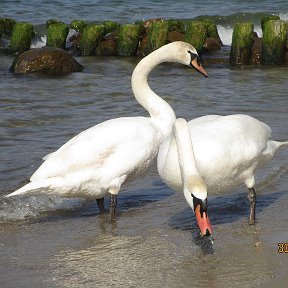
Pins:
x: 195, y: 63
x: 203, y: 222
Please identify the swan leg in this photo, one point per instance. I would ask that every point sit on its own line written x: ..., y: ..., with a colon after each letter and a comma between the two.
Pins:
x: 113, y: 204
x: 100, y: 203
x: 252, y: 200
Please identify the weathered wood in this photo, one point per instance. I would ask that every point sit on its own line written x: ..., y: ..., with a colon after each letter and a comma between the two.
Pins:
x: 90, y: 38
x: 21, y: 37
x: 6, y: 26
x: 274, y: 42
x: 128, y: 40
x: 196, y: 33
x: 106, y: 48
x: 212, y: 31
x: 268, y: 18
x: 242, y: 41
x: 57, y: 34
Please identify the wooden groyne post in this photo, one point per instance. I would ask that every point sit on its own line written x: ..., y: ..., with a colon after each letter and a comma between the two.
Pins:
x: 242, y: 41
x: 21, y: 37
x: 274, y: 42
x: 57, y: 34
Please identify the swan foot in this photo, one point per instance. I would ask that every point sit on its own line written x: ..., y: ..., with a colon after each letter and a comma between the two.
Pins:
x: 113, y: 204
x: 252, y: 200
x: 100, y: 203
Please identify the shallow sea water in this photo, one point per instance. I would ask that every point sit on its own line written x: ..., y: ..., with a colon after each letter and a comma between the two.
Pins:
x: 56, y: 242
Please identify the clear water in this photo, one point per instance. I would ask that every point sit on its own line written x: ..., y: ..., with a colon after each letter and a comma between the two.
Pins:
x: 56, y: 242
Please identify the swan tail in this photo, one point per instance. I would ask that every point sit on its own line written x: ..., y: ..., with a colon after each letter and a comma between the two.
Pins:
x: 281, y: 145
x: 30, y: 188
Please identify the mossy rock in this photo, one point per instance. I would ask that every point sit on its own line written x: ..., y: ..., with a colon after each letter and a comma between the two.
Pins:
x: 196, y: 33
x: 268, y: 18
x: 242, y: 41
x: 57, y: 34
x: 78, y: 25
x: 157, y: 36
x: 128, y: 40
x: 176, y: 25
x: 274, y: 42
x: 6, y: 26
x: 53, y: 21
x: 91, y: 36
x: 52, y: 61
x: 21, y: 37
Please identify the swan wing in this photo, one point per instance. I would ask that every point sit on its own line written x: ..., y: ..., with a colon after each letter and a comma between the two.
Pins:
x: 229, y: 145
x: 121, y: 142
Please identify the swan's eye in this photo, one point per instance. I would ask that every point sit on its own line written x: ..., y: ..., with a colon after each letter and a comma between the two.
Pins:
x: 193, y: 57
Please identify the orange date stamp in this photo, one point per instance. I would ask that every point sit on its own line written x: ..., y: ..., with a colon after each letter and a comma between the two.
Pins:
x: 283, y: 247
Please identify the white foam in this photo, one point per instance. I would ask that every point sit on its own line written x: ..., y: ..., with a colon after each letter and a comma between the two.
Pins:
x: 39, y: 42
x: 225, y: 33
x: 283, y: 16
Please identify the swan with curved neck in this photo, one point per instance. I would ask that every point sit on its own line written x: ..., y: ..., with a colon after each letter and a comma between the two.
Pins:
x: 228, y: 151
x: 102, y: 158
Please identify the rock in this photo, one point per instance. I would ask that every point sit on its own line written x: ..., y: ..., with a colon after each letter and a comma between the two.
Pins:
x: 242, y: 41
x: 52, y: 61
x: 91, y: 36
x: 175, y: 36
x: 128, y: 40
x: 57, y: 34
x: 274, y: 42
x: 212, y: 44
x: 21, y: 37
x: 196, y: 33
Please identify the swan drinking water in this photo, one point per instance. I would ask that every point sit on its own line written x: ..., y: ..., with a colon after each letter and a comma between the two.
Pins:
x: 100, y: 159
x: 228, y: 151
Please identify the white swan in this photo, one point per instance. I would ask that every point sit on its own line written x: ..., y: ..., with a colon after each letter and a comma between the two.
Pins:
x: 103, y: 157
x: 228, y: 151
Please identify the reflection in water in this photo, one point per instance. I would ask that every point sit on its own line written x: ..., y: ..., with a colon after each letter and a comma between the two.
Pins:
x: 205, y: 243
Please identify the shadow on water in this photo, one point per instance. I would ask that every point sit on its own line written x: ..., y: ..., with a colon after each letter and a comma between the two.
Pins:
x: 224, y: 209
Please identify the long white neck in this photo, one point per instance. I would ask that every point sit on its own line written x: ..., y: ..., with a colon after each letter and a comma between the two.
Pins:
x: 191, y: 179
x: 158, y: 109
